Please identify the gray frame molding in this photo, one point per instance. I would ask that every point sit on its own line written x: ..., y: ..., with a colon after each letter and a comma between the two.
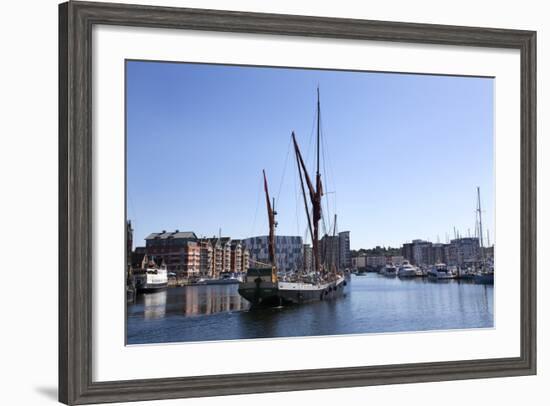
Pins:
x: 75, y: 179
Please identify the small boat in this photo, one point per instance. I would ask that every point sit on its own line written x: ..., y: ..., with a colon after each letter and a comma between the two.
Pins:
x: 467, y: 273
x: 484, y: 278
x: 150, y: 276
x: 389, y: 270
x: 440, y: 271
x: 421, y: 271
x: 406, y: 270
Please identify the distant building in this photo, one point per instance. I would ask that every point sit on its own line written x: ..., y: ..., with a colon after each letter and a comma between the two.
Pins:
x: 189, y: 256
x: 345, y: 250
x: 464, y: 251
x: 407, y: 252
x: 308, y: 257
x: 288, y: 251
x: 206, y: 258
x: 359, y: 262
x: 129, y: 246
x: 329, y: 247
x: 175, y: 250
x: 437, y: 254
x: 421, y: 252
x: 489, y: 252
x: 190, y: 260
x: 376, y: 261
x: 245, y: 259
x: 397, y: 260
x: 335, y: 250
x: 221, y: 255
x: 236, y: 261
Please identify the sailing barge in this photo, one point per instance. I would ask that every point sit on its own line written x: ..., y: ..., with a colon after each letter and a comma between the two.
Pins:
x: 261, y: 286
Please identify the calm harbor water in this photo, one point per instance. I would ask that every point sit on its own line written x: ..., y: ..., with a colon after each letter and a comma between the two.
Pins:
x: 373, y: 304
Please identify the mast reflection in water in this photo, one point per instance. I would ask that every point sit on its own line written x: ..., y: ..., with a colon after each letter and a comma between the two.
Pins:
x: 374, y: 304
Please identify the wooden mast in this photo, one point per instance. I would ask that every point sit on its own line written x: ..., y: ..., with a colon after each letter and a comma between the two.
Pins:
x: 299, y: 162
x: 271, y: 213
x: 315, y: 191
x: 318, y: 192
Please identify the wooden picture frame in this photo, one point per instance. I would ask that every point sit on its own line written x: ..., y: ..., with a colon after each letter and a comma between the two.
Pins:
x: 76, y: 20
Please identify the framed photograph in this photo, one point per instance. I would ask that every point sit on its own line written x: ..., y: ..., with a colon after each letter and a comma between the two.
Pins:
x: 258, y: 202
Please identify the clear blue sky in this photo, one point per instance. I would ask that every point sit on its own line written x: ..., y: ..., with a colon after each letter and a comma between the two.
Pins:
x: 404, y: 153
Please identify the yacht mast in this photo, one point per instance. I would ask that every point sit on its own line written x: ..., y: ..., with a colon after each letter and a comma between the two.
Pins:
x: 479, y: 214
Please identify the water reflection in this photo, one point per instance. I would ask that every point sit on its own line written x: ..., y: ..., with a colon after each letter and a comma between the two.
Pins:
x: 188, y: 301
x: 373, y: 304
x: 154, y: 305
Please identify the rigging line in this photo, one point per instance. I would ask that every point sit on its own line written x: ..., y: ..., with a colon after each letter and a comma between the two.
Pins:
x: 130, y: 208
x: 296, y: 201
x: 326, y: 182
x: 257, y: 206
x: 284, y: 172
x: 331, y: 171
x: 311, y: 135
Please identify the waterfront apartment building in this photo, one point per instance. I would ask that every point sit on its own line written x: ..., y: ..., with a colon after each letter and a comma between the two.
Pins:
x: 190, y: 262
x: 464, y: 251
x: 236, y: 260
x: 308, y: 257
x: 407, y: 252
x: 376, y: 261
x: 245, y: 258
x: 459, y: 252
x: 335, y: 250
x: 178, y: 250
x: 288, y: 249
x: 188, y: 256
x: 421, y: 252
x: 345, y: 249
x: 359, y: 262
x: 437, y: 254
x: 329, y: 247
x: 206, y: 258
x: 221, y: 255
x: 397, y: 260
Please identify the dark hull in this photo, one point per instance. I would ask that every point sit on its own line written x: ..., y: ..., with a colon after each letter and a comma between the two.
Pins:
x: 485, y: 279
x: 271, y: 294
x: 151, y: 288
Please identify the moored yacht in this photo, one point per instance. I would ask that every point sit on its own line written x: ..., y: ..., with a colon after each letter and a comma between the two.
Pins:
x: 406, y: 270
x: 389, y: 270
x: 440, y: 271
x: 150, y: 276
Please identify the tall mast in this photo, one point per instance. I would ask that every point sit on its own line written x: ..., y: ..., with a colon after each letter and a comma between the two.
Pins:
x: 479, y: 214
x: 315, y: 192
x: 298, y: 163
x: 318, y: 191
x: 318, y: 129
x: 271, y: 213
x: 335, y: 248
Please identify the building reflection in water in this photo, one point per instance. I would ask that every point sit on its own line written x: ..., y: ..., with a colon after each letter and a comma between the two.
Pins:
x: 189, y: 301
x: 154, y: 305
x: 204, y: 300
